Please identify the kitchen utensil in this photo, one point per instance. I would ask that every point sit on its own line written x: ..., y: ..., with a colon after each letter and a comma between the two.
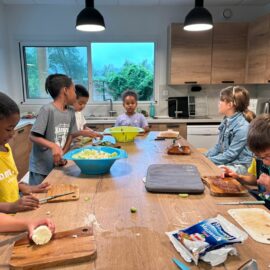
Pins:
x: 249, y: 265
x: 227, y: 186
x: 73, y: 246
x: 44, y: 200
x: 242, y: 203
x: 180, y: 265
x: 13, y: 238
x: 124, y: 133
x: 255, y: 221
x: 63, y: 188
x: 96, y: 166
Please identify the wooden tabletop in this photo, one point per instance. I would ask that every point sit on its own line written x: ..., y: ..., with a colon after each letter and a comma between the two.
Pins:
x: 138, y: 241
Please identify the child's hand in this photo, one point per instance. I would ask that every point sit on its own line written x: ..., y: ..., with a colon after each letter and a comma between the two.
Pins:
x: 57, y: 153
x: 90, y: 133
x: 228, y: 172
x: 264, y: 180
x: 25, y: 203
x: 41, y: 188
x: 62, y: 162
x: 36, y: 223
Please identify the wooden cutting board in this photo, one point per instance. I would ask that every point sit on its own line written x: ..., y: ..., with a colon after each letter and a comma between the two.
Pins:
x: 227, y: 186
x: 63, y: 188
x: 66, y: 247
x: 255, y: 221
x: 168, y: 134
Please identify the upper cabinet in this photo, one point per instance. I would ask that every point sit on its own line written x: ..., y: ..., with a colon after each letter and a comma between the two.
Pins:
x: 258, y: 69
x: 229, y: 53
x: 189, y: 56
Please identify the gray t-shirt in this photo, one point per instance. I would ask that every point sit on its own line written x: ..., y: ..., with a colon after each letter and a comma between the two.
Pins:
x: 55, y: 126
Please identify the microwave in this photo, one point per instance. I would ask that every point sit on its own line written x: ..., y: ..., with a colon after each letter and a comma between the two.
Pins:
x: 181, y: 107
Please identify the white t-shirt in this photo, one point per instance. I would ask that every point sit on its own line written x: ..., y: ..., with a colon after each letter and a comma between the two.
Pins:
x: 80, y: 120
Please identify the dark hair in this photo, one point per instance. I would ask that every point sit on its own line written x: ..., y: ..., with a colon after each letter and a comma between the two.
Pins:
x: 55, y: 82
x: 249, y: 115
x: 238, y: 95
x: 8, y: 107
x: 81, y: 91
x: 129, y: 93
x: 259, y: 134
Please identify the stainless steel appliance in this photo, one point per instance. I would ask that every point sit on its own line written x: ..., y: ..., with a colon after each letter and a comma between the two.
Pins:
x: 180, y: 107
x: 266, y: 108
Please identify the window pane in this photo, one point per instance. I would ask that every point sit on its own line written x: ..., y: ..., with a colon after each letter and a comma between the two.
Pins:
x: 120, y: 66
x: 42, y: 61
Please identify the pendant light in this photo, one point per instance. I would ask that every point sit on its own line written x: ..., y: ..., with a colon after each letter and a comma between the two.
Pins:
x: 90, y: 19
x: 199, y: 18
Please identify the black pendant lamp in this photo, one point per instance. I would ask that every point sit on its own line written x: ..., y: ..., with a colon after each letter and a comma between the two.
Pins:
x: 199, y: 18
x: 90, y: 19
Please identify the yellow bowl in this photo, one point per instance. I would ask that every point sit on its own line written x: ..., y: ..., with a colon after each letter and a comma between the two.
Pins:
x: 124, y: 133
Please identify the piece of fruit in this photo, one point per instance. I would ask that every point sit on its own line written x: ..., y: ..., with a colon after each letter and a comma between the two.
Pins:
x: 42, y: 235
x: 133, y: 209
x: 183, y: 195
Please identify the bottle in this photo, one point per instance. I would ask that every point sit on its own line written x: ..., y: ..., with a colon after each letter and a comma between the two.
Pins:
x: 152, y: 110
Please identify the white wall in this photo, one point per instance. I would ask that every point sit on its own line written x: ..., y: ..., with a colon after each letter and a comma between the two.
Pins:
x: 3, y: 51
x: 56, y: 23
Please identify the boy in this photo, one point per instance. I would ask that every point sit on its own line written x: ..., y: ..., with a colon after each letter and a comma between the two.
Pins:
x: 259, y: 143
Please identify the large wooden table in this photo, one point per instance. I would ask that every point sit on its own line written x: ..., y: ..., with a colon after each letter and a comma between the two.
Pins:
x: 138, y: 241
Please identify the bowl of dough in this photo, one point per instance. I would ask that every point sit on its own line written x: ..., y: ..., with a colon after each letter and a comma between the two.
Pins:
x: 124, y: 133
x: 95, y: 159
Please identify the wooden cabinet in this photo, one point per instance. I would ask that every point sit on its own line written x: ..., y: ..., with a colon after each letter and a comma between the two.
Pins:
x: 21, y: 148
x: 229, y: 53
x: 96, y: 127
x: 258, y: 66
x: 189, y: 60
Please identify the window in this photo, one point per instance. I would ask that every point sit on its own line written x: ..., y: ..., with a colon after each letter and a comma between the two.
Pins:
x: 120, y: 66
x: 115, y: 67
x: 39, y: 62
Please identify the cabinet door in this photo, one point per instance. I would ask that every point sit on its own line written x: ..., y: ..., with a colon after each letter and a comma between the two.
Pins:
x: 229, y: 52
x: 258, y: 48
x: 189, y: 56
x: 21, y: 147
x: 154, y: 127
x: 96, y: 127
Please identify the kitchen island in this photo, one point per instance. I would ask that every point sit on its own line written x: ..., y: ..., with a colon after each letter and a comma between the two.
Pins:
x: 135, y: 241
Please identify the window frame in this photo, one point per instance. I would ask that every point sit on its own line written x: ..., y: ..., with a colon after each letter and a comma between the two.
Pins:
x: 87, y: 44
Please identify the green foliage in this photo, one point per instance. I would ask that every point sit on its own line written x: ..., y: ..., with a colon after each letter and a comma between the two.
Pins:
x: 131, y: 76
x: 32, y: 79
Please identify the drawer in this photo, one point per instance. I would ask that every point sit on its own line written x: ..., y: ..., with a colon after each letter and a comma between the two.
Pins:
x: 96, y: 127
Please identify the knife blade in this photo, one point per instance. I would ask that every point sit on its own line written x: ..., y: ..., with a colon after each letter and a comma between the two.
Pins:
x: 242, y: 203
x: 44, y: 200
x: 12, y: 239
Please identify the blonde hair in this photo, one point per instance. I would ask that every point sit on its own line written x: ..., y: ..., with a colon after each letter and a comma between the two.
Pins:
x: 238, y: 95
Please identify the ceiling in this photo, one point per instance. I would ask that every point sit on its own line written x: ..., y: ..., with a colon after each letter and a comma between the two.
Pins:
x: 207, y: 3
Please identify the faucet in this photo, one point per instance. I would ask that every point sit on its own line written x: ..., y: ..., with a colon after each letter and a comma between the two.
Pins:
x: 111, y: 111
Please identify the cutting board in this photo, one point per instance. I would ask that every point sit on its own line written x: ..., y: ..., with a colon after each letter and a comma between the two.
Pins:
x: 168, y: 134
x: 255, y: 221
x: 66, y: 247
x: 63, y: 188
x: 227, y: 186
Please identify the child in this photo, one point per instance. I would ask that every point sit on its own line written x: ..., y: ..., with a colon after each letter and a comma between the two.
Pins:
x: 14, y: 224
x: 52, y: 131
x: 130, y: 117
x: 231, y: 149
x: 10, y: 201
x: 259, y: 143
x: 82, y: 99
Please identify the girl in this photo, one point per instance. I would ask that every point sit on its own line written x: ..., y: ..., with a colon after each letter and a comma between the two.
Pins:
x: 10, y: 201
x: 130, y: 117
x: 231, y: 149
x: 52, y: 132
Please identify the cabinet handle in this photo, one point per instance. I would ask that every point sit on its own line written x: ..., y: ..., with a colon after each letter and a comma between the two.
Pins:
x: 195, y: 82
x: 227, y: 81
x: 20, y: 131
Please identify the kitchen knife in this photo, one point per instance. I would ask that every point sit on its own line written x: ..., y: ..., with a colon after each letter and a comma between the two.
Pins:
x: 12, y: 239
x: 242, y: 203
x: 44, y: 200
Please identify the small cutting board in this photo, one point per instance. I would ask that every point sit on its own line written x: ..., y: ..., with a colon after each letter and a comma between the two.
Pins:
x: 66, y: 247
x: 255, y: 221
x: 168, y: 134
x: 227, y: 186
x: 63, y: 188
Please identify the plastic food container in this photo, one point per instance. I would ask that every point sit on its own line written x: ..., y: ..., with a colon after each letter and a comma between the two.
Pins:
x: 124, y: 133
x: 96, y: 166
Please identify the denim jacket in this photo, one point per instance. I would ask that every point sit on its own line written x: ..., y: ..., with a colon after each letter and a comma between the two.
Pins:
x: 232, y: 142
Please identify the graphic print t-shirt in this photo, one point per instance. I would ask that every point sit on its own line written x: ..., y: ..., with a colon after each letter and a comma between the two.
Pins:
x: 55, y: 126
x: 9, y: 188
